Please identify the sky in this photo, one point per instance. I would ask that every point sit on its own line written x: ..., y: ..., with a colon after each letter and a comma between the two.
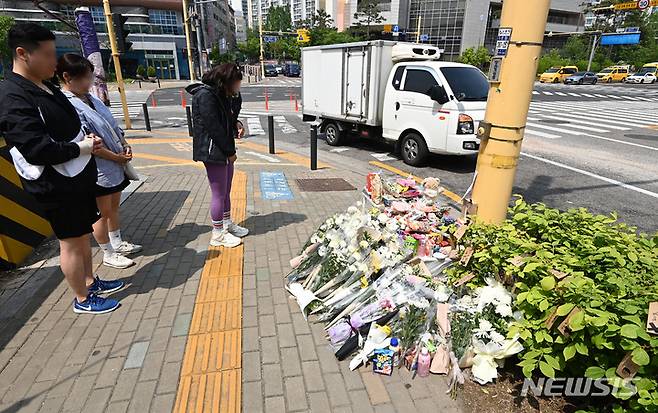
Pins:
x: 237, y: 4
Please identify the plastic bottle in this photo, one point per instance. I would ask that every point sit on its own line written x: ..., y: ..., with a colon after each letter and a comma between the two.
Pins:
x: 424, y: 361
x: 395, y: 347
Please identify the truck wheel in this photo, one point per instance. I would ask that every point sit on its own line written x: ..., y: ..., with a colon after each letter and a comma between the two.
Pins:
x: 414, y: 150
x: 556, y: 81
x: 333, y: 134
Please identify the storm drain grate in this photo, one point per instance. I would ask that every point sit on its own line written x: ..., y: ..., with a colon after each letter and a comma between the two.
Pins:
x: 324, y: 185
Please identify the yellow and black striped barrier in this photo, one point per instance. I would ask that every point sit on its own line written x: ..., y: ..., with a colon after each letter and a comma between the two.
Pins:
x: 22, y: 227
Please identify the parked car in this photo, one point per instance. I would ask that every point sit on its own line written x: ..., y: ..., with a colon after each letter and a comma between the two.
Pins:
x: 581, y: 78
x: 647, y: 75
x: 557, y: 74
x: 279, y: 69
x: 270, y: 71
x: 613, y: 74
x: 292, y: 70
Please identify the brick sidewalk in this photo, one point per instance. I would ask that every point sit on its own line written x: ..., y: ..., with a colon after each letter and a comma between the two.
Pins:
x: 53, y: 360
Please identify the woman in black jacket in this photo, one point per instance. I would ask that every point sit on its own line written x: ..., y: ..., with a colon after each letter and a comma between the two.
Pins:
x: 216, y: 106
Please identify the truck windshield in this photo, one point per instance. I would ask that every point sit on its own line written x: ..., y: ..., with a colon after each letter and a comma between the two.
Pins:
x: 467, y: 83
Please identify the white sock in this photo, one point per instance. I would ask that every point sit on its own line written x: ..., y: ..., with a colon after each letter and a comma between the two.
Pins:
x: 227, y: 223
x: 115, y: 238
x: 107, y: 249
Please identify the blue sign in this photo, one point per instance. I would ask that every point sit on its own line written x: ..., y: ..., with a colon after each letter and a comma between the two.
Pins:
x: 270, y: 39
x: 424, y: 37
x: 274, y: 186
x: 620, y: 39
x: 396, y: 29
x: 502, y: 42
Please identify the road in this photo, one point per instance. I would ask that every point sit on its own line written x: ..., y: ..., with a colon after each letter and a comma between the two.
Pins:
x: 586, y: 146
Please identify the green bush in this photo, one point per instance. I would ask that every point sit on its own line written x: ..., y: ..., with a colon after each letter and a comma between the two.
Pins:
x: 141, y: 71
x: 556, y: 262
x: 551, y: 59
x: 151, y: 71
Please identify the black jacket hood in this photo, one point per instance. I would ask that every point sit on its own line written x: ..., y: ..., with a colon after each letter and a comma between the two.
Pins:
x: 195, y: 87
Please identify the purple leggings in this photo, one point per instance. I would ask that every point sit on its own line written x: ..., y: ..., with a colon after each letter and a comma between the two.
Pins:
x: 220, y: 177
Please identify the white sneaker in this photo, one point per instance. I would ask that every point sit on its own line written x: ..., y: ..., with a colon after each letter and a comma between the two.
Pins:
x: 223, y: 238
x: 128, y: 248
x: 237, y: 230
x: 116, y: 260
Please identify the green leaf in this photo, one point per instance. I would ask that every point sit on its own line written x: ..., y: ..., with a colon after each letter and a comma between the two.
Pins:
x: 594, y: 372
x: 569, y: 352
x: 576, y: 323
x: 640, y: 357
x: 582, y: 349
x: 544, y: 305
x: 552, y: 361
x: 632, y: 256
x: 546, y: 369
x: 565, y: 309
x: 629, y: 331
x: 527, y: 371
x: 548, y: 283
x: 531, y: 267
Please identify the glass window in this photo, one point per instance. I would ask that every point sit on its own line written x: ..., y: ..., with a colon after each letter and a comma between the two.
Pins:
x: 397, y: 79
x: 166, y: 19
x: 97, y: 14
x: 569, y: 71
x: 419, y: 81
x: 467, y: 83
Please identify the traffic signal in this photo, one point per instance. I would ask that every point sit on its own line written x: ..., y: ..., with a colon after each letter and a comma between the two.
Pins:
x: 121, y: 32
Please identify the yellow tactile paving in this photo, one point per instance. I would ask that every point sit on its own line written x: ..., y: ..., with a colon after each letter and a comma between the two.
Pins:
x: 211, y: 373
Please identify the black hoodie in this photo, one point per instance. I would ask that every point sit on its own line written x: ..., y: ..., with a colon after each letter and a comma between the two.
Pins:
x: 214, y: 123
x: 41, y: 125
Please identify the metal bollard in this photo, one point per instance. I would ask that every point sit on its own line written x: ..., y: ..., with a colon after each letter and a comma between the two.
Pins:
x: 190, y: 127
x: 270, y: 129
x: 314, y: 147
x: 147, y: 119
x: 158, y: 83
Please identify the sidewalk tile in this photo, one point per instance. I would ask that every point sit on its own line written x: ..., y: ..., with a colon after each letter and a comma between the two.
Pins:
x: 295, y: 393
x: 272, y: 380
x: 136, y: 355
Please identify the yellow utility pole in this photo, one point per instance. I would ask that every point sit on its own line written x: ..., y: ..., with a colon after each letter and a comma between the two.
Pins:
x: 420, y: 18
x: 512, y: 78
x: 260, y: 36
x: 188, y: 40
x: 117, y: 63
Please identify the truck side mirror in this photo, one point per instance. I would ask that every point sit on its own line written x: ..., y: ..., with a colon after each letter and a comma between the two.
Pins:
x: 439, y: 95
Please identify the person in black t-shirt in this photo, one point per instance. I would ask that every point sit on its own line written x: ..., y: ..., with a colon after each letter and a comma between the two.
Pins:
x: 54, y: 159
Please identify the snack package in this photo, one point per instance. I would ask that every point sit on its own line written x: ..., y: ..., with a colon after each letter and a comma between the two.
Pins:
x: 382, y: 361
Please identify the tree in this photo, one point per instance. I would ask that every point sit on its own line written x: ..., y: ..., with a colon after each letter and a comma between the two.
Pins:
x: 5, y: 54
x: 477, y: 57
x: 251, y: 48
x: 278, y: 19
x: 318, y: 20
x: 368, y: 12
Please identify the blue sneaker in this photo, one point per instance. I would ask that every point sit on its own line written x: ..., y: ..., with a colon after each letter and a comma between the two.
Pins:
x: 95, y: 305
x: 105, y: 287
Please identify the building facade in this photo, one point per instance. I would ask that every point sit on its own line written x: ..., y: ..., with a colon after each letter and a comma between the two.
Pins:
x: 156, y: 28
x: 240, y: 27
x: 455, y: 25
x: 299, y: 9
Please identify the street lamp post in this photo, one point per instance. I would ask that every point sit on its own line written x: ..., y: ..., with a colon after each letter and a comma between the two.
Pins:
x: 117, y: 63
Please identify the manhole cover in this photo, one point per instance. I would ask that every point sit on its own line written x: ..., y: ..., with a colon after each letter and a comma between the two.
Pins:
x: 643, y: 137
x: 324, y: 185
x: 555, y: 121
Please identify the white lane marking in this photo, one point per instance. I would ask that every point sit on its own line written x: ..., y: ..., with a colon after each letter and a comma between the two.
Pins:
x: 573, y: 94
x: 599, y: 96
x: 587, y: 95
x: 614, y: 96
x: 592, y: 175
x: 285, y: 126
x: 339, y: 150
x: 182, y: 147
x: 547, y: 93
x: 576, y: 126
x: 577, y: 120
x: 264, y: 157
x: 570, y: 132
x: 651, y: 148
x: 530, y: 132
x: 628, y: 120
x: 175, y: 118
x: 560, y: 94
x: 382, y: 157
x: 534, y: 92
x: 255, y: 128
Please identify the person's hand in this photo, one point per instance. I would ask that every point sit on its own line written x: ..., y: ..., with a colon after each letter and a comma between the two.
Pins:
x: 241, y: 131
x: 98, y: 145
x: 233, y: 158
x: 122, y: 158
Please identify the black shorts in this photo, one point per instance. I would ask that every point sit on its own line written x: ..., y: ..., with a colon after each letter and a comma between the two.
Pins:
x: 102, y: 191
x: 71, y: 217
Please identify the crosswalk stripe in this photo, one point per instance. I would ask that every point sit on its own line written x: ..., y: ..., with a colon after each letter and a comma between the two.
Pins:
x: 547, y: 93
x: 382, y: 157
x: 534, y: 92
x: 531, y: 132
x: 560, y: 94
x: 614, y: 96
x: 620, y: 120
x: 583, y: 122
x: 285, y: 126
x: 573, y: 94
x: 554, y: 129
x: 255, y: 128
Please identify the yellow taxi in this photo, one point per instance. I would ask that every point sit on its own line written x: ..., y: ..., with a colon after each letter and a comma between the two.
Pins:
x: 614, y: 74
x: 557, y: 74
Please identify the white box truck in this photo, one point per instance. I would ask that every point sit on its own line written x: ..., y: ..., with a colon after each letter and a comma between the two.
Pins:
x: 399, y: 91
